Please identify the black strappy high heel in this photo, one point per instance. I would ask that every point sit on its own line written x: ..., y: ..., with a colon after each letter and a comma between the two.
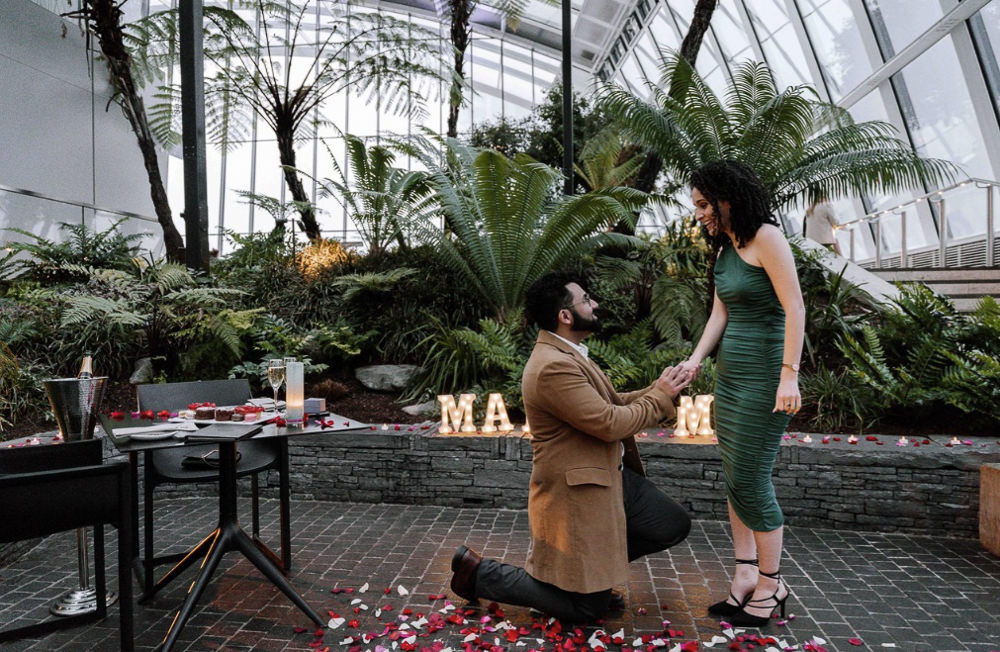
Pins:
x: 727, y: 608
x: 742, y: 618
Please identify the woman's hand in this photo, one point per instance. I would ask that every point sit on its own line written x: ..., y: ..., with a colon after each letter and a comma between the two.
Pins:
x: 788, y: 399
x: 690, y: 367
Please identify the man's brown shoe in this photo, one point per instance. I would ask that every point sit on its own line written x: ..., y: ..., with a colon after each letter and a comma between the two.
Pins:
x: 464, y: 564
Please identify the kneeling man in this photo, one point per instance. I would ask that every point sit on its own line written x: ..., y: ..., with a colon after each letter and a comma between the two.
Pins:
x: 590, y: 506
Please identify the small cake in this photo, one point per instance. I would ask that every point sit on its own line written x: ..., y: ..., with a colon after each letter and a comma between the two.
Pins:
x: 223, y: 414
x: 204, y: 413
x: 237, y: 415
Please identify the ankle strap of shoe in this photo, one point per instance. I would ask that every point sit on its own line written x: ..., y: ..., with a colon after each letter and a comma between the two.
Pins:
x: 776, y: 575
x: 749, y: 562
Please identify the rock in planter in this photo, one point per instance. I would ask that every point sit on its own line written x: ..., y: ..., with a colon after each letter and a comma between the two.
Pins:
x: 143, y: 372
x: 430, y: 407
x: 386, y: 377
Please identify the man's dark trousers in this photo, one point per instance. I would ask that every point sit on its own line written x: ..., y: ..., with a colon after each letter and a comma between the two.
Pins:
x: 653, y: 522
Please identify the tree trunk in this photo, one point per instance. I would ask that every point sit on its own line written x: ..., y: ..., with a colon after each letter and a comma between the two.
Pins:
x: 105, y: 18
x: 286, y: 154
x: 690, y: 47
x: 461, y: 12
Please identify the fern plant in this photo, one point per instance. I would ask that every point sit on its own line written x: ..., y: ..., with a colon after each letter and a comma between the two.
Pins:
x: 799, y: 146
x: 509, y: 224
x: 462, y: 358
x: 154, y: 309
x: 837, y: 400
x: 922, y: 355
x: 47, y: 260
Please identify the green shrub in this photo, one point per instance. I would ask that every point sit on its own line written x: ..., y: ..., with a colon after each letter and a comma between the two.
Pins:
x: 53, y: 262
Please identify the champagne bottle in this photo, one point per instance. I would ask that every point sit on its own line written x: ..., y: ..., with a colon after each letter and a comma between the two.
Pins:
x: 86, y: 368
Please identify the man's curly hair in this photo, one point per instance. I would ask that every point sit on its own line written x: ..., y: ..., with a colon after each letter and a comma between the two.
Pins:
x: 547, y: 296
x: 749, y: 201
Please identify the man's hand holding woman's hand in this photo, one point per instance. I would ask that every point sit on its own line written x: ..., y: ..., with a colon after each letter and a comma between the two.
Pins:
x: 674, y: 379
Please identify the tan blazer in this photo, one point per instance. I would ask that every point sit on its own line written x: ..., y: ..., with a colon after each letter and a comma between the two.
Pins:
x: 578, y: 426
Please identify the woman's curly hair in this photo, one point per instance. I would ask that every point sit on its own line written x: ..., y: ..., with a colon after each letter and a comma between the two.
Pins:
x: 749, y: 201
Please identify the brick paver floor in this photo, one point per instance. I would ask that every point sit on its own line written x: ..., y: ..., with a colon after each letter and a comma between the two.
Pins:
x: 885, y: 591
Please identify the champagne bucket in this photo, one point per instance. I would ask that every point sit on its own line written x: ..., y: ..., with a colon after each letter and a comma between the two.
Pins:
x: 76, y: 402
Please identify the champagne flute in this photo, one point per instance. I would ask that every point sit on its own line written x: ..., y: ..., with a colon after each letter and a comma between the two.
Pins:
x: 276, y: 376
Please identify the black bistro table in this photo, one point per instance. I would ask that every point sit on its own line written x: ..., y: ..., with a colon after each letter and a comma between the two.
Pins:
x: 228, y: 536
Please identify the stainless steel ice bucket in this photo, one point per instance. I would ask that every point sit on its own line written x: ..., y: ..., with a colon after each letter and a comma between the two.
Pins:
x: 76, y: 403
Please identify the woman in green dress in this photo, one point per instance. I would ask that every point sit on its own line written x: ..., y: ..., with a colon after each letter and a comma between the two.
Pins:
x: 757, y: 320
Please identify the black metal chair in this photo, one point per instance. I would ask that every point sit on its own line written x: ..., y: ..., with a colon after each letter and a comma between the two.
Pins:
x: 166, y: 465
x: 49, y: 489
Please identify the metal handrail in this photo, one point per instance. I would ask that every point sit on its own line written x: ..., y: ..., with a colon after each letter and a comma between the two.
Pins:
x: 936, y: 196
x: 73, y: 202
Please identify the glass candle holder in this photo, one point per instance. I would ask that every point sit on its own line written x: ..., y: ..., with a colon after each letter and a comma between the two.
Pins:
x: 294, y: 393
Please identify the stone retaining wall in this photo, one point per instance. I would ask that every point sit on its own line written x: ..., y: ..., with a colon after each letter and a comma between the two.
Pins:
x: 932, y: 488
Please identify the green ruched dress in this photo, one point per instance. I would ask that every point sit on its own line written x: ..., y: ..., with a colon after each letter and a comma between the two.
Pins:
x: 747, y: 373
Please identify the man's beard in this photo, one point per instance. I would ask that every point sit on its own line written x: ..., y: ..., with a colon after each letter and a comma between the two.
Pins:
x: 581, y: 323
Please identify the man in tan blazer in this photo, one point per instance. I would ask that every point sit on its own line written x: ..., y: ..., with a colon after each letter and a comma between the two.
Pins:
x: 590, y: 506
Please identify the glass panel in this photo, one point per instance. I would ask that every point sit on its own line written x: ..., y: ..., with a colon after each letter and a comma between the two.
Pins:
x: 944, y: 124
x: 903, y: 20
x: 835, y: 37
x: 630, y: 73
x: 663, y: 32
x: 991, y: 19
x: 779, y: 42
x: 729, y: 31
x: 237, y: 178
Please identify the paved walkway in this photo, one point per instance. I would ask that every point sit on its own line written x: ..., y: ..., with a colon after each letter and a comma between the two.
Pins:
x: 850, y: 590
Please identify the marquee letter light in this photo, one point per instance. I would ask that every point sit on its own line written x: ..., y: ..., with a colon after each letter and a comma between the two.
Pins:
x: 703, y: 410
x: 694, y: 416
x: 684, y: 409
x: 456, y: 418
x: 495, y: 409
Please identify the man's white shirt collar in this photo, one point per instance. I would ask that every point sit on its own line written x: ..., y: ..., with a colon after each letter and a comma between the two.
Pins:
x: 580, y: 348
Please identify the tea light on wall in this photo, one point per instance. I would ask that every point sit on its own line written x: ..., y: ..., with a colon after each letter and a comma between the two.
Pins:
x: 496, y: 410
x: 294, y: 393
x: 456, y: 418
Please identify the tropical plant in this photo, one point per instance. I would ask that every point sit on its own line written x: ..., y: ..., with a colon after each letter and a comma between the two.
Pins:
x: 834, y: 307
x: 633, y: 360
x: 973, y: 381
x: 510, y: 225
x: 285, y: 71
x: 380, y: 294
x: 381, y: 200
x: 256, y: 372
x: 48, y: 260
x: 359, y: 285
x: 665, y: 280
x: 278, y: 210
x: 540, y: 134
x: 128, y: 74
x: 800, y: 147
x: 837, y: 400
x: 492, y: 357
x: 157, y: 310
x: 922, y: 356
x: 607, y: 160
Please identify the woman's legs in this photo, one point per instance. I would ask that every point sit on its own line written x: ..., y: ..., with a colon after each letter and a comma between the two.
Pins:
x: 769, y: 552
x: 745, y: 547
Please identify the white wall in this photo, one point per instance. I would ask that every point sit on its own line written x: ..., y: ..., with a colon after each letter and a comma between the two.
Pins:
x: 56, y: 138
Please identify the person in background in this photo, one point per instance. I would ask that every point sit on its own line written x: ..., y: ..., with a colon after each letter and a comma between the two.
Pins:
x: 819, y: 224
x: 757, y: 321
x: 590, y: 506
